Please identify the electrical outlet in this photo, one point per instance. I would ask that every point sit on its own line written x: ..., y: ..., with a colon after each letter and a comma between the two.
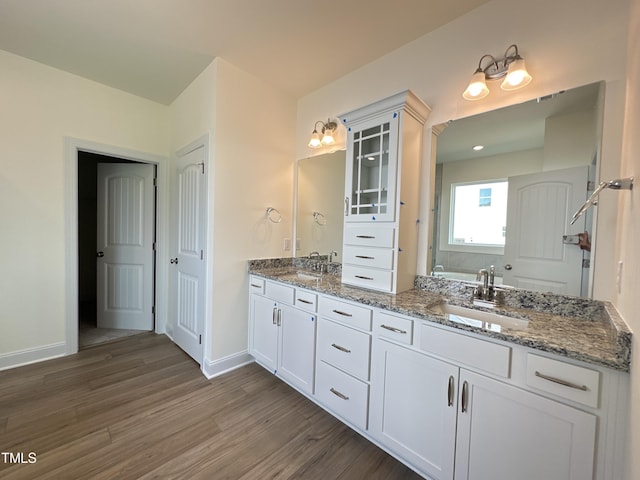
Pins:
x: 286, y: 246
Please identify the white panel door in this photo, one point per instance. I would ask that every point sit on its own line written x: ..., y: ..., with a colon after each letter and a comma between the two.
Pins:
x: 125, y: 235
x: 539, y: 211
x: 187, y: 270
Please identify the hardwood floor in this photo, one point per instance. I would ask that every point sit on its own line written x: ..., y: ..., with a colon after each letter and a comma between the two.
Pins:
x: 140, y: 408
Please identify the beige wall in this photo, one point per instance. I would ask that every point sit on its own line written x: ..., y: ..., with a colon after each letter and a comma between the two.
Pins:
x: 627, y: 298
x: 251, y: 158
x: 40, y: 107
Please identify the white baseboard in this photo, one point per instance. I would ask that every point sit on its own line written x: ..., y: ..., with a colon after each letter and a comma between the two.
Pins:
x: 213, y: 368
x: 32, y: 355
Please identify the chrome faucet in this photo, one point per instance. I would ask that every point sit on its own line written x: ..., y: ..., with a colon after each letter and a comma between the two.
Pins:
x: 315, y: 258
x: 330, y: 256
x: 487, y: 291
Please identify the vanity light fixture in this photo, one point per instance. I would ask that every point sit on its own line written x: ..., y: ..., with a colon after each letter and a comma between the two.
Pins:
x: 327, y: 130
x: 511, y: 67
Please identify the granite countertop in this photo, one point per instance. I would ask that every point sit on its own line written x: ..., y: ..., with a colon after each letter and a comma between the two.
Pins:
x: 586, y: 330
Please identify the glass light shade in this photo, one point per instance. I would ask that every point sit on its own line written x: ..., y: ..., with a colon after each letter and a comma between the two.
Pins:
x: 517, y: 76
x: 315, y: 142
x: 327, y: 138
x: 477, y: 88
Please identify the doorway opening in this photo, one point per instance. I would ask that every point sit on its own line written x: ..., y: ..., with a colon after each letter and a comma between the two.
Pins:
x: 90, y: 333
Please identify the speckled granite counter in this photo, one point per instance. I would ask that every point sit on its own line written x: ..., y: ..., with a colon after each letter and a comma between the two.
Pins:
x: 576, y: 328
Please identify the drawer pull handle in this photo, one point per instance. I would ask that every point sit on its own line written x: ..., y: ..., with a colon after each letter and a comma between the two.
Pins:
x: 450, y: 391
x: 256, y: 286
x: 363, y: 278
x: 559, y: 381
x: 365, y: 236
x: 302, y: 300
x: 342, y: 349
x: 344, y: 314
x: 366, y: 257
x: 393, y: 329
x: 338, y: 394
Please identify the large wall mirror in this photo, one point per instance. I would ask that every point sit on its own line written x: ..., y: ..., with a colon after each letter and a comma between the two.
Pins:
x: 506, y: 186
x: 320, y: 204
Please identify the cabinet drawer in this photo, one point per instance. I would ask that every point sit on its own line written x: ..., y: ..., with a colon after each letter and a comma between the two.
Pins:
x: 344, y: 348
x: 368, y: 256
x: 306, y: 300
x: 476, y: 353
x: 369, y: 235
x: 348, y: 313
x: 563, y: 379
x: 279, y: 292
x: 343, y: 394
x: 367, y: 277
x: 256, y: 285
x: 394, y: 328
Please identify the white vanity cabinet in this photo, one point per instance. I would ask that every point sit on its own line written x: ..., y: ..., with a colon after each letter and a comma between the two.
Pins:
x: 282, y: 336
x: 449, y: 422
x: 505, y: 432
x: 344, y: 353
x: 384, y: 142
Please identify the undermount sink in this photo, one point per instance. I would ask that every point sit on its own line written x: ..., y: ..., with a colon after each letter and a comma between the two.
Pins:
x: 308, y: 275
x: 479, y: 318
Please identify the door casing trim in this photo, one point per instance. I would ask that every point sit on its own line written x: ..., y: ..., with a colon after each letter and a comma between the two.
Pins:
x: 71, y: 148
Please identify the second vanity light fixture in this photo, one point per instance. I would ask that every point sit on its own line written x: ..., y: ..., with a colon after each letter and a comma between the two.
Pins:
x: 327, y: 130
x: 511, y: 67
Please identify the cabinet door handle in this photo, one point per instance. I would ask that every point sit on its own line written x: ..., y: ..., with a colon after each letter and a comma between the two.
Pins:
x: 346, y: 206
x: 338, y: 394
x: 465, y: 394
x: 274, y: 315
x: 450, y: 391
x: 393, y: 329
x: 365, y: 257
x: 279, y: 317
x: 302, y: 300
x: 256, y: 286
x: 363, y: 277
x: 342, y: 349
x: 559, y: 381
x: 344, y: 314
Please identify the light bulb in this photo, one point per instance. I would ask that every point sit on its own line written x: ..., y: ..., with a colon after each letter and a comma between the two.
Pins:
x: 477, y: 88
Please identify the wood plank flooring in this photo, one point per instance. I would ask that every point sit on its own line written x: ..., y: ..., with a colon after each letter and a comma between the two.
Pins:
x: 139, y: 408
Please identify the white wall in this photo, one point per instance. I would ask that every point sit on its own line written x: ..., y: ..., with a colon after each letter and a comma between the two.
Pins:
x: 564, y: 44
x: 251, y: 161
x: 41, y: 106
x: 627, y: 299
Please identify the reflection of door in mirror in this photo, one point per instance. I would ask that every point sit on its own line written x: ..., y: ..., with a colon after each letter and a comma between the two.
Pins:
x: 539, y: 208
x: 549, y: 134
x: 320, y: 190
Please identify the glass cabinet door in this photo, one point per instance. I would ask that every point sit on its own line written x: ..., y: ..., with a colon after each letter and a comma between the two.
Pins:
x: 371, y: 178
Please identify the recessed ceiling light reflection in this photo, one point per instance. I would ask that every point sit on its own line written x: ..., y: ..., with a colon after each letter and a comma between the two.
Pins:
x: 477, y: 148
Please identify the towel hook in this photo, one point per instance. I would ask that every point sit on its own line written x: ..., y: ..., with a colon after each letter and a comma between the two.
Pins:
x: 619, y: 184
x: 319, y: 218
x: 273, y: 215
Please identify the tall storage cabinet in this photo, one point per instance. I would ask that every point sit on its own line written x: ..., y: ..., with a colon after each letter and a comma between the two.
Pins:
x: 384, y: 146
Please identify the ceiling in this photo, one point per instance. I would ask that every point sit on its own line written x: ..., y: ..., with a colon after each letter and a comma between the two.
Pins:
x: 155, y: 48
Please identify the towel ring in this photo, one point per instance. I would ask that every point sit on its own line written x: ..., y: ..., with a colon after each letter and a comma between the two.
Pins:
x: 273, y: 215
x: 319, y: 218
